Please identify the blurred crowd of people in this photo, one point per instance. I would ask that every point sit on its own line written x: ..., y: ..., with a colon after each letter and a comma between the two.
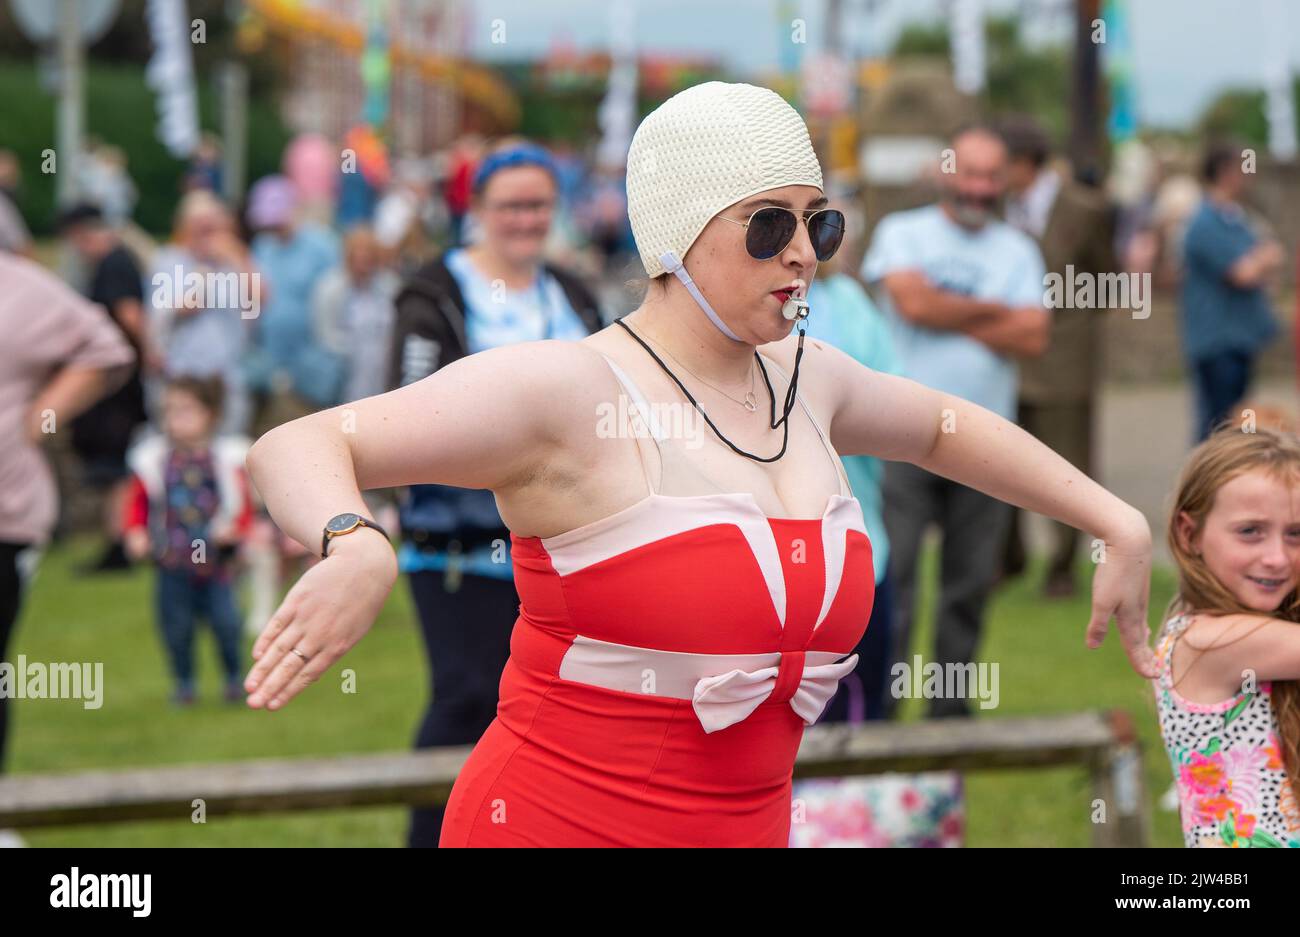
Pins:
x: 348, y: 274
x: 340, y: 277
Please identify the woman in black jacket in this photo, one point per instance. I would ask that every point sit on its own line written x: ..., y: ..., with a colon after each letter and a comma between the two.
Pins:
x: 455, y: 547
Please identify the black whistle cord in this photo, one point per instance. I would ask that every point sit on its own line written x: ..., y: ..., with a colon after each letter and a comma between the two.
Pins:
x: 789, y: 394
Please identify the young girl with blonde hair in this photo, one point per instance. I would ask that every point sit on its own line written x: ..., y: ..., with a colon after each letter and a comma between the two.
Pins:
x: 1229, y: 650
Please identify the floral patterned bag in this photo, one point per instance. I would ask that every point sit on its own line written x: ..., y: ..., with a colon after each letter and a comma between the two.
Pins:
x: 878, y: 810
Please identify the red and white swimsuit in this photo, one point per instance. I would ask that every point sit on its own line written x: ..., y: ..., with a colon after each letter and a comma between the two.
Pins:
x: 664, y: 664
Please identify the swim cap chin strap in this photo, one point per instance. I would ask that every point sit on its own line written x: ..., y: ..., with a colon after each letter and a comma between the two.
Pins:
x: 795, y: 308
x: 674, y: 266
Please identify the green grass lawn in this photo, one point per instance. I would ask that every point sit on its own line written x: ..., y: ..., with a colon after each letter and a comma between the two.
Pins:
x: 1043, y: 668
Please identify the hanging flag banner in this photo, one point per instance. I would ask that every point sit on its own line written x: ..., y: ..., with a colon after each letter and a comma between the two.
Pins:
x: 376, y: 65
x: 968, y: 59
x: 1117, y: 64
x: 171, y: 76
x: 825, y: 84
x: 1279, y: 104
x: 791, y: 38
x: 618, y: 113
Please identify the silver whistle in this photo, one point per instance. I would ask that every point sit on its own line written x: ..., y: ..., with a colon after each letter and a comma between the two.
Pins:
x: 796, y: 306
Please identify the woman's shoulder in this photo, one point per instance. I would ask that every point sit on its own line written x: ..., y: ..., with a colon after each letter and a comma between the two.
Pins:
x: 553, y: 369
x: 594, y: 355
x: 433, y: 273
x: 783, y: 353
x: 823, y: 370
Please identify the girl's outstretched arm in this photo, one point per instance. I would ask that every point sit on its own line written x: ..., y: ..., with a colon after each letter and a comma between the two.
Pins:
x: 901, y: 420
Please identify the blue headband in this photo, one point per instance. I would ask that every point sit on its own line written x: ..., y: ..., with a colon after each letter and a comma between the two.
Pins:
x: 524, y: 155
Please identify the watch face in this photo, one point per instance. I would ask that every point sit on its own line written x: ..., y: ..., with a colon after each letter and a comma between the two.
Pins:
x: 342, y: 523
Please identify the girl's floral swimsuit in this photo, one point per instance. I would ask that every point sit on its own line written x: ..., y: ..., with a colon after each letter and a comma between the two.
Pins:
x: 1232, y: 788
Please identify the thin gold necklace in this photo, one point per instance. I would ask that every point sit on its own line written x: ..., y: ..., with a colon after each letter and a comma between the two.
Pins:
x: 750, y: 402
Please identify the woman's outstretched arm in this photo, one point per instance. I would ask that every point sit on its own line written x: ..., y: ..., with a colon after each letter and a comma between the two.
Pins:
x: 484, y: 421
x: 901, y: 420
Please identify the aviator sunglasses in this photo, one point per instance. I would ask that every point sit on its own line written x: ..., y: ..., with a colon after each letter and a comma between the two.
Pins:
x: 769, y: 230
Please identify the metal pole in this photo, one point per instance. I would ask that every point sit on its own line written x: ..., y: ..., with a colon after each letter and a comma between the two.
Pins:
x: 234, y: 130
x: 834, y: 26
x: 1085, y: 142
x: 72, y: 104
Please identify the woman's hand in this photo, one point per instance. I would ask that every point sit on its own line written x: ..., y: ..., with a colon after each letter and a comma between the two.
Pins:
x: 327, y: 611
x: 1121, y: 587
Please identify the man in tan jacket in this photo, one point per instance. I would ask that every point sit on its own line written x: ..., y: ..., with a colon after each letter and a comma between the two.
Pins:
x: 1074, y: 229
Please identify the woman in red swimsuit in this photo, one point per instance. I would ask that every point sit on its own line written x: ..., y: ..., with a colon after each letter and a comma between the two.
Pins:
x: 692, y: 567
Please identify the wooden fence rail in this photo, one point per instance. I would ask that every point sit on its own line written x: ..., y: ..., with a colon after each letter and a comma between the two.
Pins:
x: 1103, y: 743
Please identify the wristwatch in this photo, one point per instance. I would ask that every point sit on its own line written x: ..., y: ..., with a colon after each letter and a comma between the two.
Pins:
x: 341, y: 524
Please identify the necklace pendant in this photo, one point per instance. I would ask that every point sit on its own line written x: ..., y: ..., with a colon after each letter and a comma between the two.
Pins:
x: 751, y: 404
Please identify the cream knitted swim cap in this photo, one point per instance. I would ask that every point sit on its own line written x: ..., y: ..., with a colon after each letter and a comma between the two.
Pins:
x: 705, y: 149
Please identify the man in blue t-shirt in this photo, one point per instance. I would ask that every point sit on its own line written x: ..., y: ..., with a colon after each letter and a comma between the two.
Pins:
x: 1226, y: 317
x: 964, y: 295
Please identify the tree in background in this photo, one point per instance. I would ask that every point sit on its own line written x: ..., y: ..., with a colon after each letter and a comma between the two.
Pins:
x: 1239, y: 114
x: 1019, y: 79
x: 120, y: 110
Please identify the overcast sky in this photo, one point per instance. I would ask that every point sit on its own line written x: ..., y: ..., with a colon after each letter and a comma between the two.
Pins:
x: 1185, y: 51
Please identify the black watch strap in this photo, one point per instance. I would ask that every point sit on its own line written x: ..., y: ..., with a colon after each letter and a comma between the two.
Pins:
x: 327, y: 535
